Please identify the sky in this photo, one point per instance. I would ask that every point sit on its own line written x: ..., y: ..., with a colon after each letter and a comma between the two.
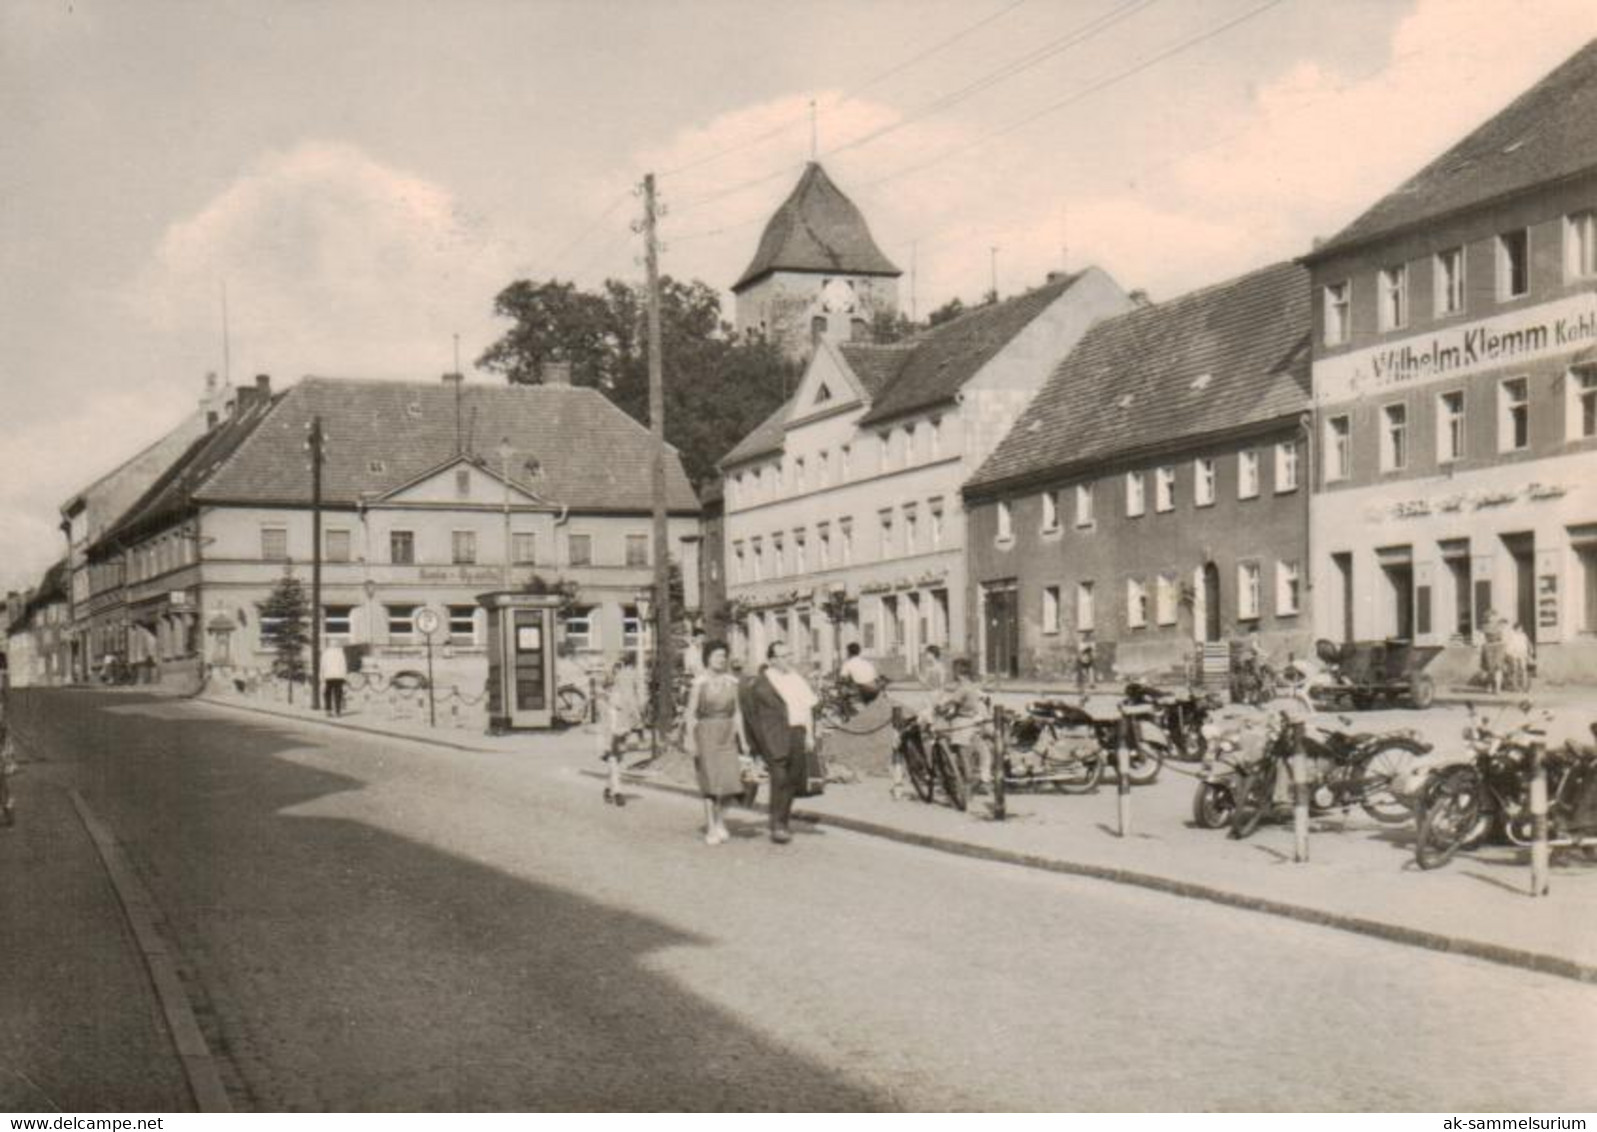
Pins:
x: 362, y: 178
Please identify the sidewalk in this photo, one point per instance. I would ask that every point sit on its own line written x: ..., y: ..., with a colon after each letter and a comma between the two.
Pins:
x: 1360, y: 877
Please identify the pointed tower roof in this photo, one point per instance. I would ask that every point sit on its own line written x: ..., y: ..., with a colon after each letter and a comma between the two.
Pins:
x: 816, y: 229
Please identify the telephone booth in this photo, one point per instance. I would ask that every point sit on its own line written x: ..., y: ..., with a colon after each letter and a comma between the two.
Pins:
x: 521, y: 660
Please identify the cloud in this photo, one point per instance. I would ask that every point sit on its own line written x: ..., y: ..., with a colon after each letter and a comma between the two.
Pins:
x: 334, y: 263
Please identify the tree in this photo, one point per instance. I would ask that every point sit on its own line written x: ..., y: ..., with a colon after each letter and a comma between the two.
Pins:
x: 888, y: 324
x: 952, y: 309
x: 718, y: 384
x: 285, y: 629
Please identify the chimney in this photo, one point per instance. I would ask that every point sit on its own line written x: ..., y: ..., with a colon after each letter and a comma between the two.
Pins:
x: 555, y: 373
x: 454, y: 379
x: 250, y: 397
x: 1057, y: 277
x: 1140, y: 298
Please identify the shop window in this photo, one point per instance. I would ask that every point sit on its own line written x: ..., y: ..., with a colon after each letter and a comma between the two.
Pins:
x: 1394, y: 438
x: 1338, y: 322
x: 1450, y: 426
x: 1394, y: 297
x: 1449, y: 273
x: 1513, y: 264
x: 1513, y: 415
x: 402, y: 548
x: 463, y: 624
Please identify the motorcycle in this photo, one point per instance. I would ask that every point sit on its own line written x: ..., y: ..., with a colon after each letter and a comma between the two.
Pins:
x: 1061, y: 745
x: 1182, y: 717
x: 1251, y: 773
x: 1464, y: 804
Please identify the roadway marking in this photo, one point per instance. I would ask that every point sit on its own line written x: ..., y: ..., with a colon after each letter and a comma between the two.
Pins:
x: 199, y: 1067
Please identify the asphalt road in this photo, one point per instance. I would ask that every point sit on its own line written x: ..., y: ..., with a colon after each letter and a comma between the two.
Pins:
x: 367, y: 924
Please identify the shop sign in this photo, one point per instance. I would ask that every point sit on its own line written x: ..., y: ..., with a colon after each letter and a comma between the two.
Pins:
x: 1543, y: 331
x: 1459, y: 501
x: 1547, y: 601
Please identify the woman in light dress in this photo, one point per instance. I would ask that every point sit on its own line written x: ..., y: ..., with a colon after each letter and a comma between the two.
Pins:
x: 715, y: 736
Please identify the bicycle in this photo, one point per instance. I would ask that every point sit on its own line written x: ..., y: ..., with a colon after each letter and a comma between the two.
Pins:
x: 930, y: 760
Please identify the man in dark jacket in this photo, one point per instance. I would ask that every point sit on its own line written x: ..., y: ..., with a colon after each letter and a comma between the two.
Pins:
x: 778, y: 710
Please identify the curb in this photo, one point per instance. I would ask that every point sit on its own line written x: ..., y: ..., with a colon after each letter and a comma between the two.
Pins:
x: 342, y: 726
x: 1521, y: 958
x: 194, y: 1055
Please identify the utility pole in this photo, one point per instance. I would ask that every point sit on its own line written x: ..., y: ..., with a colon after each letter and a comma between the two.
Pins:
x: 914, y: 261
x: 315, y: 445
x: 994, y: 262
x: 662, y: 588
x: 505, y: 452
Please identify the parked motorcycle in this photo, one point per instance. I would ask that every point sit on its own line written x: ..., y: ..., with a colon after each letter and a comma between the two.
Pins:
x: 1181, y: 717
x: 1462, y: 805
x: 1062, y: 746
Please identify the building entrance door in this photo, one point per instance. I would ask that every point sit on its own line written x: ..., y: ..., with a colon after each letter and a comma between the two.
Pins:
x: 1343, y: 564
x: 1397, y: 567
x: 1002, y: 617
x: 1211, y: 602
x: 1522, y: 552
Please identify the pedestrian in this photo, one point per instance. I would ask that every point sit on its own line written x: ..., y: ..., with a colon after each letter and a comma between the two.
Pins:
x: 335, y: 671
x: 961, y: 704
x: 1516, y: 658
x: 623, y: 718
x: 1086, y: 659
x: 779, y: 719
x: 715, y: 737
x: 1493, y: 652
x: 860, y: 675
x: 693, y: 655
x: 932, y: 672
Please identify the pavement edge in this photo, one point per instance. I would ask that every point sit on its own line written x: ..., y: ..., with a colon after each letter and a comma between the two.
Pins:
x: 194, y: 1055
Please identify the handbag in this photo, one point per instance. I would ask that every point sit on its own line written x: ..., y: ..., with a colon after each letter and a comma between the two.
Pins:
x: 814, y: 782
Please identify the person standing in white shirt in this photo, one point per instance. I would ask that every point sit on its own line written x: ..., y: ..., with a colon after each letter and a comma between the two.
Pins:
x: 335, y: 670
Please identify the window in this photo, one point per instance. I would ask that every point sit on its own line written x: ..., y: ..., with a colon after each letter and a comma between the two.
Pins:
x: 1513, y: 264
x: 637, y: 550
x: 798, y: 473
x: 463, y: 548
x: 1050, y: 609
x: 1338, y: 448
x: 274, y: 544
x: 1165, y: 596
x: 1006, y: 525
x: 935, y: 440
x: 823, y: 546
x: 934, y: 512
x: 1394, y: 437
x: 1164, y: 489
x: 335, y: 544
x: 401, y: 622
x: 463, y: 624
x: 1084, y: 505
x: 1288, y: 588
x: 1248, y: 591
x: 1203, y: 481
x: 884, y: 449
x: 1580, y: 245
x: 1136, y: 494
x: 1393, y: 310
x: 336, y: 623
x: 738, y: 562
x: 579, y: 550
x: 1337, y: 322
x: 582, y: 628
x: 1136, y: 603
x: 911, y: 528
x: 778, y: 556
x: 799, y: 564
x: 1513, y: 415
x: 758, y: 558
x: 462, y: 483
x: 524, y: 548
x: 909, y: 444
x: 823, y: 468
x: 1084, y: 606
x: 1583, y: 403
x: 1286, y: 466
x: 845, y: 540
x: 402, y: 548
x: 1449, y: 272
x: 631, y: 628
x: 1247, y: 474
x: 1450, y: 426
x: 843, y: 455
x: 885, y: 526
x: 1050, y: 510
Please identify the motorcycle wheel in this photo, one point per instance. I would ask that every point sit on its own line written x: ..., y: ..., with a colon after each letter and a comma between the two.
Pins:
x: 1255, y: 798
x: 1384, y: 765
x: 1189, y: 743
x: 1213, y: 805
x: 571, y: 706
x: 918, y: 768
x: 1450, y: 816
x: 1143, y: 763
x: 952, y: 775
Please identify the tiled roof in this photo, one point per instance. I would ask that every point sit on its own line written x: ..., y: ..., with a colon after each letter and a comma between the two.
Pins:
x: 382, y: 435
x: 875, y: 366
x: 1227, y: 356
x: 816, y: 229
x: 765, y: 439
x: 1546, y: 133
x: 940, y: 360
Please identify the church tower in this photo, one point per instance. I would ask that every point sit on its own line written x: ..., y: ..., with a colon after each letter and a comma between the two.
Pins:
x: 817, y: 272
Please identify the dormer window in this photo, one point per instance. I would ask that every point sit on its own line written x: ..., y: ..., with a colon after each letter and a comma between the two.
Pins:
x: 822, y: 394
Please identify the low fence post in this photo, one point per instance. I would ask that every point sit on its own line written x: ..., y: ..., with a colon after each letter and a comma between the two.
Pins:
x: 1123, y: 774
x: 1000, y: 754
x: 1541, y: 852
x: 1300, y: 799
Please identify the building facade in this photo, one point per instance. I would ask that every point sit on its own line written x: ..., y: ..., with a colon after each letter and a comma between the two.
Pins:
x: 843, y: 516
x: 817, y: 274
x: 38, y: 633
x: 415, y: 514
x: 1455, y: 378
x: 1154, y: 497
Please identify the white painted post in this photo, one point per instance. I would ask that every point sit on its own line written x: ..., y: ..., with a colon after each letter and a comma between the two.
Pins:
x: 1300, y: 800
x: 1123, y: 774
x: 1541, y: 853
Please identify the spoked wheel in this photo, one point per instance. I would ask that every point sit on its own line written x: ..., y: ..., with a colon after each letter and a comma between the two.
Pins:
x: 1213, y: 805
x: 1451, y: 816
x: 571, y: 705
x: 951, y: 772
x: 1255, y: 798
x: 918, y: 767
x: 1380, y: 772
x: 1143, y: 763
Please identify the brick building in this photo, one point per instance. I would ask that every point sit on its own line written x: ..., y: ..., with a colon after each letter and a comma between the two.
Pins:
x: 1455, y: 377
x: 1153, y: 496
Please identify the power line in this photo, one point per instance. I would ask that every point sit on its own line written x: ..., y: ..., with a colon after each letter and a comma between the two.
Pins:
x: 1093, y: 88
x: 558, y: 257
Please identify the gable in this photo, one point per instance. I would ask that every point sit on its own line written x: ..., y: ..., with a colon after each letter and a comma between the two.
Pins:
x: 827, y: 385
x: 461, y: 482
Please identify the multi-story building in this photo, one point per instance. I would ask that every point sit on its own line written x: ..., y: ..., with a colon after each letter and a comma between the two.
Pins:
x: 1455, y: 382
x: 1153, y: 496
x: 431, y: 495
x: 99, y: 628
x: 845, y: 502
x: 38, y: 648
x: 817, y: 273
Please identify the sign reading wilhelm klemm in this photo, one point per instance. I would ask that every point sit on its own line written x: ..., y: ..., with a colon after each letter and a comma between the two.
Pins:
x: 1536, y: 332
